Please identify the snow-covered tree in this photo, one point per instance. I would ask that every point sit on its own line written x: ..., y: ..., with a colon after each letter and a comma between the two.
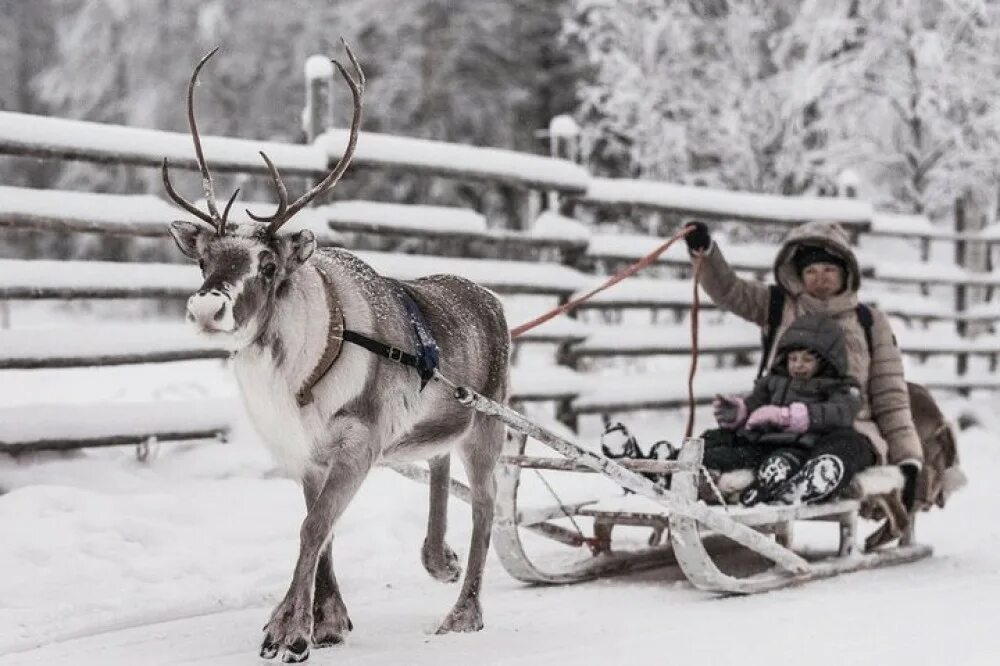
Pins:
x: 916, y: 105
x: 480, y: 73
x: 26, y: 40
x: 783, y: 96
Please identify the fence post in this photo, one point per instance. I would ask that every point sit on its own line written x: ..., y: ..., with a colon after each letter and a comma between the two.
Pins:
x: 564, y: 136
x: 318, y: 112
x: 564, y: 143
x: 961, y: 290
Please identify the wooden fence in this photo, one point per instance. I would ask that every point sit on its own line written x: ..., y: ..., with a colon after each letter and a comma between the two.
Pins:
x: 552, y: 259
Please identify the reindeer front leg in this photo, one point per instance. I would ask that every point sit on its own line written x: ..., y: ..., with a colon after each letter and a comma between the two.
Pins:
x: 291, y: 626
x: 330, y: 619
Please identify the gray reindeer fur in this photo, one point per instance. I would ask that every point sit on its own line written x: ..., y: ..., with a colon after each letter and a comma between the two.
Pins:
x: 271, y: 297
x: 365, y: 410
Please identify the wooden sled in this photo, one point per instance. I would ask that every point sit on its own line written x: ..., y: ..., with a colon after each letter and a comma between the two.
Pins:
x: 695, y: 531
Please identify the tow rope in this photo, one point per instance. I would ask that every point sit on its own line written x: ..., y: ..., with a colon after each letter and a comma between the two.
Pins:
x: 610, y: 282
x: 594, y: 543
x: 628, y: 272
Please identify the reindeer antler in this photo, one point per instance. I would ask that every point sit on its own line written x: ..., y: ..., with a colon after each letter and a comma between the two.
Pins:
x: 286, y: 211
x: 218, y: 222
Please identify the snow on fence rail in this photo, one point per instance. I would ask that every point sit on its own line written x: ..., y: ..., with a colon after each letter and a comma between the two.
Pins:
x: 24, y: 279
x: 459, y: 161
x: 710, y: 203
x: 59, y: 138
x: 48, y: 427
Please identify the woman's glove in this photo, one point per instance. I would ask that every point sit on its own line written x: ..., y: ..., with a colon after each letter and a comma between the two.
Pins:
x: 698, y: 239
x: 769, y: 417
x: 730, y: 411
x: 909, y: 495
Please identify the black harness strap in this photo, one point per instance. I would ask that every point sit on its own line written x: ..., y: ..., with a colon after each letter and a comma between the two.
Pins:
x: 866, y: 320
x: 391, y: 353
x: 425, y: 362
x: 775, y: 308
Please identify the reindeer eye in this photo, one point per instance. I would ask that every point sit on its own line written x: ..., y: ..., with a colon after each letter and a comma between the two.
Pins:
x: 267, y: 271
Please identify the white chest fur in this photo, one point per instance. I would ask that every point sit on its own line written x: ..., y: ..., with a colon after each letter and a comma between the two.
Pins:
x: 271, y: 406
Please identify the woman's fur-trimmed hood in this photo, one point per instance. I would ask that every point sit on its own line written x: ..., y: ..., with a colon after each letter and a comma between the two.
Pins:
x: 830, y: 236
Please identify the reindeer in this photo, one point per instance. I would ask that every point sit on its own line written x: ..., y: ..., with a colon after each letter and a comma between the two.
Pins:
x: 331, y: 411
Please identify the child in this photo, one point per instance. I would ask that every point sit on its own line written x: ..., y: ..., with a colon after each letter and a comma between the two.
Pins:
x: 807, y: 394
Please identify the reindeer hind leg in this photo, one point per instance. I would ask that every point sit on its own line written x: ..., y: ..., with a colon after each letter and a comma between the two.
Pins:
x: 438, y: 559
x: 479, y: 451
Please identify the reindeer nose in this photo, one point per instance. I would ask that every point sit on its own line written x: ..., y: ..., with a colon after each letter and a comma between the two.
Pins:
x: 211, y: 310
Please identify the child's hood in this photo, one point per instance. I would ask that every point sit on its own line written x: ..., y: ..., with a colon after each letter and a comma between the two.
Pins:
x: 819, y: 334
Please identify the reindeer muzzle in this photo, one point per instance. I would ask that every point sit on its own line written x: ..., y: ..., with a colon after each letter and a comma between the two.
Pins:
x: 211, y: 311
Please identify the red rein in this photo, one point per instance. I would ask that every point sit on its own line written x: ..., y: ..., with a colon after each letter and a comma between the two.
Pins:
x: 618, y: 277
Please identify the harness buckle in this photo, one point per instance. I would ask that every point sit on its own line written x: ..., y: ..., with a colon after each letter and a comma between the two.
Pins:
x: 395, y: 354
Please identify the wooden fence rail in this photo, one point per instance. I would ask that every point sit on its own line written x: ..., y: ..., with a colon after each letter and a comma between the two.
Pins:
x: 562, y: 263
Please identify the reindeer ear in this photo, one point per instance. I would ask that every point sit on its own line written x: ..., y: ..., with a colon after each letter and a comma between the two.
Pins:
x: 186, y: 236
x: 301, y: 245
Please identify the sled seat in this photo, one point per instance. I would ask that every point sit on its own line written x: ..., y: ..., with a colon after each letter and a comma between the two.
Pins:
x: 635, y: 511
x: 775, y: 516
x: 766, y: 514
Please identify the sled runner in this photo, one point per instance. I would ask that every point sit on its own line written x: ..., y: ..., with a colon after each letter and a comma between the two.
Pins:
x: 694, y: 533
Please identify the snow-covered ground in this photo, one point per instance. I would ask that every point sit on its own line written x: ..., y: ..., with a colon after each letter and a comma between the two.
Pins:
x: 179, y: 560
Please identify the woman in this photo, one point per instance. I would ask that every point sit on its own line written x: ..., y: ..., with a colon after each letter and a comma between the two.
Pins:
x: 818, y: 273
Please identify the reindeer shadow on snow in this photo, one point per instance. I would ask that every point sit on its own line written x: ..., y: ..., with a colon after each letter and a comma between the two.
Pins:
x: 330, y: 411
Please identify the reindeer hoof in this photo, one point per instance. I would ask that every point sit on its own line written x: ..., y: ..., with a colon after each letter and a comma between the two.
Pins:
x: 285, y: 635
x: 326, y: 640
x: 297, y: 652
x: 466, y: 616
x: 327, y: 633
x: 443, y: 567
x: 269, y: 648
x: 331, y: 623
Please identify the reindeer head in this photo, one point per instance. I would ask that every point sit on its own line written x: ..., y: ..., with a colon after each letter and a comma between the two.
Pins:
x: 245, y: 266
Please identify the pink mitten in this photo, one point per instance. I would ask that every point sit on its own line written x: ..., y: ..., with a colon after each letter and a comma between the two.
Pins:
x: 730, y: 411
x: 798, y: 418
x: 768, y: 416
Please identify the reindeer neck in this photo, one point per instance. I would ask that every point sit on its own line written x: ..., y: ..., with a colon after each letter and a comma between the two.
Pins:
x: 309, y: 316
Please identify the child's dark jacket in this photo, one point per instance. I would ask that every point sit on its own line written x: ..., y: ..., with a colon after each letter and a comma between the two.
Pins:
x: 831, y: 397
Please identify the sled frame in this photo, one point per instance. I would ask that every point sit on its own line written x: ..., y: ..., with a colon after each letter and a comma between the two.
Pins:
x: 692, y: 527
